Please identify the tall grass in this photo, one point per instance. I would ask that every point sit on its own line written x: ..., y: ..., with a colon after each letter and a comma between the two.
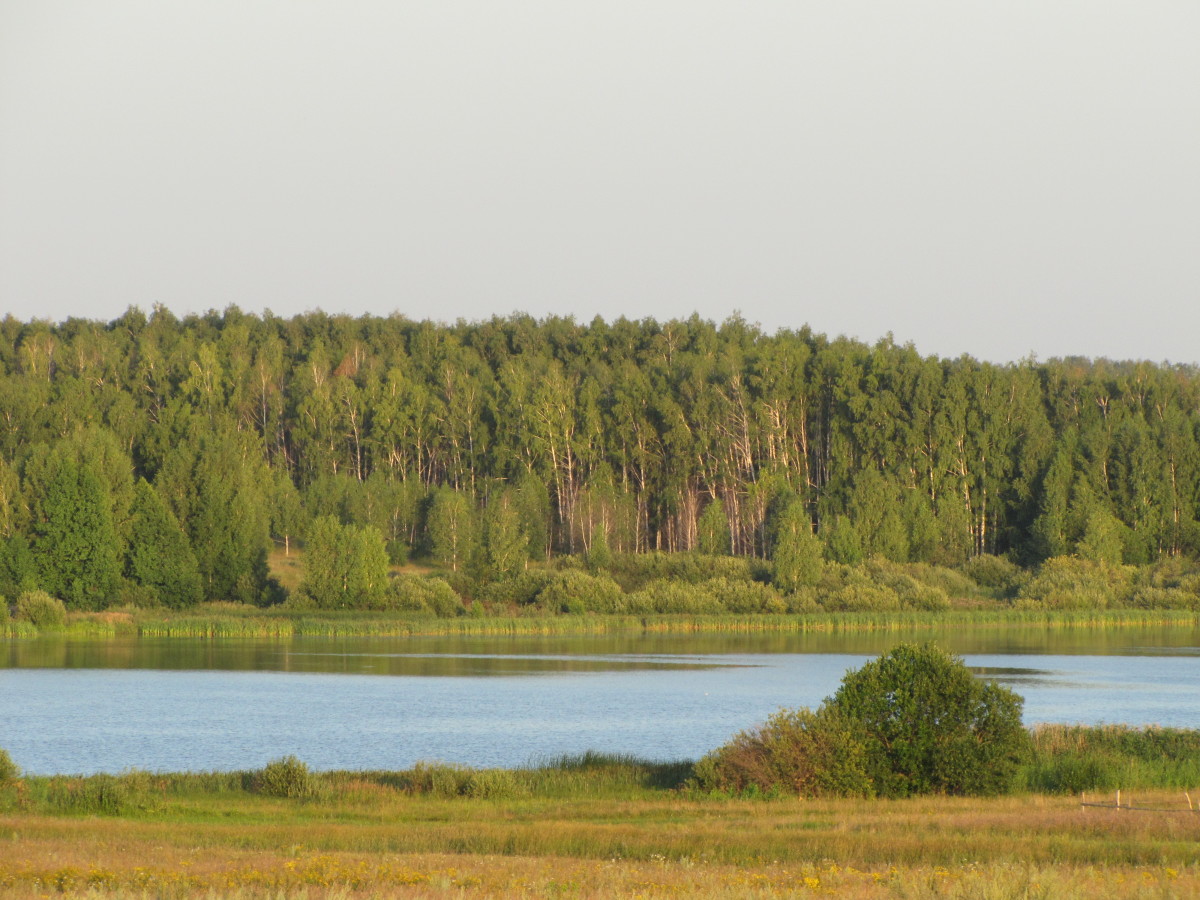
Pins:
x: 222, y: 622
x: 1074, y: 758
x: 351, y: 834
x: 231, y: 620
x: 1065, y: 759
x: 13, y: 629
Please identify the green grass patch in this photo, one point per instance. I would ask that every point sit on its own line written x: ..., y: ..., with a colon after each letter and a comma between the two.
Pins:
x: 235, y: 620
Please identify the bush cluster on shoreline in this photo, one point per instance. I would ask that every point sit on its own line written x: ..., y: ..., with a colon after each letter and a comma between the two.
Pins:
x: 698, y: 584
x: 692, y: 584
x: 914, y: 721
x: 1061, y: 760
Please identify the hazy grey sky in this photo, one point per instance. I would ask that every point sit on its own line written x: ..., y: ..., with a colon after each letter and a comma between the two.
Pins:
x: 994, y: 178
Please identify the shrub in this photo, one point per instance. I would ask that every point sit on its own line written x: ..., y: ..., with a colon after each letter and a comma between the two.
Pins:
x: 428, y: 595
x: 663, y: 597
x: 1170, y: 583
x: 913, y: 721
x: 796, y: 751
x: 848, y: 589
x: 746, y: 596
x: 9, y: 770
x: 40, y: 609
x: 951, y: 582
x: 1164, y: 598
x: 299, y: 601
x: 1000, y: 575
x: 910, y: 592
x: 140, y: 596
x: 577, y: 591
x: 931, y: 726
x: 506, y: 593
x: 285, y: 777
x: 443, y: 599
x: 802, y: 600
x: 1168, y: 572
x: 635, y: 571
x: 1065, y: 582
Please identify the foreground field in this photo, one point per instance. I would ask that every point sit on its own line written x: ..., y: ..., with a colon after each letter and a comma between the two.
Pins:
x: 369, y: 834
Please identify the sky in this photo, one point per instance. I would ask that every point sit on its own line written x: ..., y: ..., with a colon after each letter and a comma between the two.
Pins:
x: 1001, y: 179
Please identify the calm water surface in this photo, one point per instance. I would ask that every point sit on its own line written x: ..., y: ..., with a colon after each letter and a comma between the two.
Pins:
x: 86, y: 706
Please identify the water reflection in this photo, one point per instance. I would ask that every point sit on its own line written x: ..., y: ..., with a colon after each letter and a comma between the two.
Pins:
x: 1014, y: 677
x: 508, y: 655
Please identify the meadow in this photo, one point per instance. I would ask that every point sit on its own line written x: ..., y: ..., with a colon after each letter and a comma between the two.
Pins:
x: 593, y: 826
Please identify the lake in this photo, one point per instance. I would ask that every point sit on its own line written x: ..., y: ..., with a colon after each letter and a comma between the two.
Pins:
x: 81, y: 706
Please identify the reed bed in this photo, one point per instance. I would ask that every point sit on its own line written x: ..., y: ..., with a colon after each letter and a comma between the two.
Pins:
x: 233, y: 621
x: 12, y: 629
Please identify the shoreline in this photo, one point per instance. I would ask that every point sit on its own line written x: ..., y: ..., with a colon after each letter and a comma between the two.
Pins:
x: 230, y: 620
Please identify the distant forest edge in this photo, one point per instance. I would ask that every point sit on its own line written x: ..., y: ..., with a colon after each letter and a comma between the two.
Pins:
x: 626, y: 467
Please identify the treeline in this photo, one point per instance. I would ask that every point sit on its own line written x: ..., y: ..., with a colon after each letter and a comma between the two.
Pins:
x: 155, y: 459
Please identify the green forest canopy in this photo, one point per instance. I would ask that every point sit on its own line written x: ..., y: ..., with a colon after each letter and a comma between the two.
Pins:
x: 518, y: 438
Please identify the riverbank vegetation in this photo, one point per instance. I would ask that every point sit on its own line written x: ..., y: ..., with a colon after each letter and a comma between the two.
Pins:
x: 227, y: 620
x: 635, y: 468
x: 683, y: 592
x: 914, y: 721
x: 596, y: 826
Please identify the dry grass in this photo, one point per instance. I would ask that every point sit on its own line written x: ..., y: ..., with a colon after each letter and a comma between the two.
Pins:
x: 286, y: 567
x: 370, y: 839
x: 299, y: 874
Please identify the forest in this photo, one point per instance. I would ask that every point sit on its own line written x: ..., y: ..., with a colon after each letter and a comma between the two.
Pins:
x: 154, y: 460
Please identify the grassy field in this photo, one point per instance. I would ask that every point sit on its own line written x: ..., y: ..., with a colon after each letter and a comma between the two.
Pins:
x: 374, y: 841
x: 582, y: 828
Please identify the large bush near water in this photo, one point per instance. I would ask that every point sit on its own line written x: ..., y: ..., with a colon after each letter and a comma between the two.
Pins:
x: 915, y: 721
x: 931, y: 726
x: 797, y: 751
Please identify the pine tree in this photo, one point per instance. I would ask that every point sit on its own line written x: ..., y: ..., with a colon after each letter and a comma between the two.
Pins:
x: 160, y: 555
x: 842, y: 543
x: 75, y: 544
